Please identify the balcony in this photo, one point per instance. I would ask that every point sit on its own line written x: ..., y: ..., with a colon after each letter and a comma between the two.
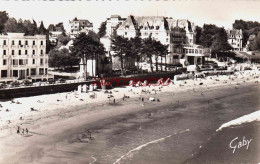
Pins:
x: 4, y: 46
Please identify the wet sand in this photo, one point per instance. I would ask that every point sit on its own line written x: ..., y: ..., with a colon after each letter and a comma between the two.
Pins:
x: 175, y: 127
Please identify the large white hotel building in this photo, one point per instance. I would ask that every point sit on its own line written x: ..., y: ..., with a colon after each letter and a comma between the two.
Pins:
x: 23, y: 57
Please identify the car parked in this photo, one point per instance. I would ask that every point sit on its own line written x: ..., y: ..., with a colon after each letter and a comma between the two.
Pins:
x: 51, y: 81
x: 61, y: 80
x: 15, y: 84
x: 27, y: 83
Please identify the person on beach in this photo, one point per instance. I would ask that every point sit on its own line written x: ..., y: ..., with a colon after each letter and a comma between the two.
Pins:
x: 26, y: 130
x: 18, y: 130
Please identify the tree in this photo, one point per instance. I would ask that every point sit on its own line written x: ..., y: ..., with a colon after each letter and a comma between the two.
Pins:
x: 11, y: 25
x: 255, y: 44
x: 42, y: 30
x: 54, y: 58
x: 51, y: 27
x: 135, y: 46
x: 161, y: 50
x: 20, y: 27
x: 63, y: 39
x: 102, y: 29
x: 121, y: 47
x: 30, y: 28
x: 198, y: 34
x: 220, y: 43
x: 208, y: 34
x: 3, y: 19
x: 87, y: 47
x: 149, y: 50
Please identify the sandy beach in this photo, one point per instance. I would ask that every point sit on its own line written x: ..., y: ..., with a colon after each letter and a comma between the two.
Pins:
x: 58, y: 123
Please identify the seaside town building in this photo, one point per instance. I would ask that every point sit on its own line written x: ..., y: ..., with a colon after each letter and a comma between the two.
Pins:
x: 77, y: 26
x: 235, y: 39
x: 112, y: 23
x: 55, y: 31
x: 23, y: 57
x: 176, y: 33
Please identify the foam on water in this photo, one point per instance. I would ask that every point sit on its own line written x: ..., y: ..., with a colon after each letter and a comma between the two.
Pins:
x: 146, y: 144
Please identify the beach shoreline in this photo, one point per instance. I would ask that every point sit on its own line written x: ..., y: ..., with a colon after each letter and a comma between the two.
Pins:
x: 68, y: 119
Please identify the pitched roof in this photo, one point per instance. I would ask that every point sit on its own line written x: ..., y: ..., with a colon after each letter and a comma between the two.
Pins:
x: 144, y: 21
x: 234, y: 32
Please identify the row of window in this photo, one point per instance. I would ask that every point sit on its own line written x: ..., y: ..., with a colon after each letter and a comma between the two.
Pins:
x: 20, y: 52
x: 22, y: 62
x: 20, y: 42
x: 192, y: 51
x: 14, y: 73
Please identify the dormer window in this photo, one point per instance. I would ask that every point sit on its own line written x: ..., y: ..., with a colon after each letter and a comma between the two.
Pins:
x: 157, y: 27
x: 152, y: 27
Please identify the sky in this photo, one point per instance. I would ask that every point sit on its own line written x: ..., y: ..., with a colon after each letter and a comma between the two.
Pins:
x: 220, y: 12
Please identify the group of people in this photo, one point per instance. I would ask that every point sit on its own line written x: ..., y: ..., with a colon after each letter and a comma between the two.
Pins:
x: 22, y: 131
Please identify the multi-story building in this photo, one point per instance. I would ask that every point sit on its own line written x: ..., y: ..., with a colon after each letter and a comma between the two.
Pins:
x: 22, y: 57
x: 77, y: 26
x: 112, y: 23
x: 171, y: 32
x: 235, y: 39
x: 55, y: 31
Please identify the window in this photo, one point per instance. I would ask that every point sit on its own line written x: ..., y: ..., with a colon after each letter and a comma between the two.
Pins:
x: 20, y: 62
x: 34, y: 42
x: 4, y: 73
x: 25, y: 52
x: 15, y: 73
x: 12, y: 42
x: 41, y: 61
x: 33, y: 61
x: 41, y: 52
x: 20, y: 43
x: 41, y: 42
x: 26, y: 42
x: 167, y: 39
x: 192, y: 51
x: 33, y: 52
x: 19, y: 52
x: 4, y: 52
x: 196, y: 51
x: 12, y: 52
x: 33, y: 71
x: 125, y: 33
x: 41, y: 71
x: 4, y: 62
x: 4, y: 42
